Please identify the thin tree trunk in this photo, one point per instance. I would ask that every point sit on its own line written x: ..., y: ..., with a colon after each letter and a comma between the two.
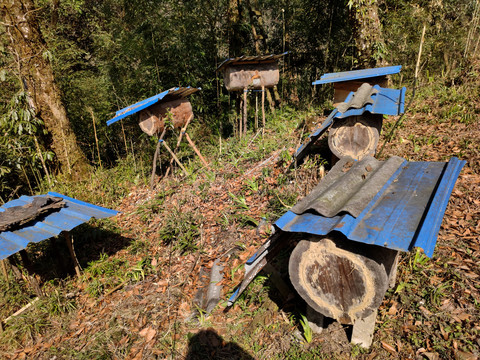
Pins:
x: 26, y: 41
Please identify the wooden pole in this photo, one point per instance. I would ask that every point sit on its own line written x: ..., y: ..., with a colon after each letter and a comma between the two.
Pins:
x: 245, y: 109
x: 155, y: 156
x: 179, y: 140
x: 69, y: 241
x: 96, y: 138
x: 196, y: 150
x: 240, y: 119
x: 263, y: 109
x: 174, y: 157
x: 124, y: 137
x: 256, y: 111
x: 5, y: 271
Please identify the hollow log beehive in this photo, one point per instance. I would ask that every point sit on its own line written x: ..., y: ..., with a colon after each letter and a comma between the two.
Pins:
x: 152, y: 119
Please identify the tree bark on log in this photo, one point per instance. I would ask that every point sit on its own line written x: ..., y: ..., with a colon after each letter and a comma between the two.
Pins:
x: 367, y: 32
x: 28, y: 46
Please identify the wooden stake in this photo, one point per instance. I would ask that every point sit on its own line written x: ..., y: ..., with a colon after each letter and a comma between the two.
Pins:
x: 155, y: 156
x: 417, y: 68
x: 263, y: 109
x: 124, y: 137
x: 245, y: 108
x: 196, y: 150
x: 69, y: 241
x: 5, y: 271
x: 96, y: 138
x: 256, y: 111
x: 174, y: 157
x: 179, y: 140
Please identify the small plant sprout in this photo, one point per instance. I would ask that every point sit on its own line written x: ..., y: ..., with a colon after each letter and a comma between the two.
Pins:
x: 307, y: 330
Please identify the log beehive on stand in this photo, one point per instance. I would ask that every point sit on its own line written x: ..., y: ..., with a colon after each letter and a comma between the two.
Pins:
x: 154, y: 111
x: 252, y: 72
x: 152, y: 119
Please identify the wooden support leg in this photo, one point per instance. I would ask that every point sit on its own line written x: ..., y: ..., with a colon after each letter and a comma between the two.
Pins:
x: 4, y: 270
x: 69, y: 241
x: 14, y: 265
x: 363, y: 329
x: 174, y: 157
x: 256, y: 111
x: 154, y: 166
x: 196, y: 150
x: 30, y: 278
x: 245, y: 109
x: 263, y: 109
x: 179, y: 140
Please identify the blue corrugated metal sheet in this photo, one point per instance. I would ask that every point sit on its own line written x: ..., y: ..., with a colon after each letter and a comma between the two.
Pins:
x: 357, y: 74
x: 386, y: 102
x: 74, y: 213
x: 244, y: 58
x: 179, y: 92
x: 407, y: 212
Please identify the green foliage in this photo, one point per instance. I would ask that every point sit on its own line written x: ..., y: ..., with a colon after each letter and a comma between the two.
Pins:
x: 307, y: 330
x: 20, y: 161
x: 181, y: 229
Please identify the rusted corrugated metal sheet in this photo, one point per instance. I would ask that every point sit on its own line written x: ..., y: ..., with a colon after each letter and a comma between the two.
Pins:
x: 173, y: 93
x: 249, y: 59
x: 357, y: 74
x: 74, y: 213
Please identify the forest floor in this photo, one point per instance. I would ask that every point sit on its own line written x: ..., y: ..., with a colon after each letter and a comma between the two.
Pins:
x: 140, y: 297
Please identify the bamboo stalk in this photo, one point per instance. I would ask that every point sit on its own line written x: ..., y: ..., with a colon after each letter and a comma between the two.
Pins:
x: 96, y: 138
x: 245, y: 109
x: 263, y: 110
x: 124, y: 137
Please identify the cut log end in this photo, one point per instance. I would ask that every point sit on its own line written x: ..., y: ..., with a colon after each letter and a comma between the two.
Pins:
x: 337, y: 282
x: 355, y: 136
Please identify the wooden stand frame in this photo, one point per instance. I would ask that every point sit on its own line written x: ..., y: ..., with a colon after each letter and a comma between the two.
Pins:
x: 183, y: 132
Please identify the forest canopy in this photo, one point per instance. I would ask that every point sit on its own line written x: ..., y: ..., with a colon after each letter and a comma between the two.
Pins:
x: 105, y: 55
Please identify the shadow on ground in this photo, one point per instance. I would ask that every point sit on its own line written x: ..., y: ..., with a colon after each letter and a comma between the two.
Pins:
x: 207, y: 344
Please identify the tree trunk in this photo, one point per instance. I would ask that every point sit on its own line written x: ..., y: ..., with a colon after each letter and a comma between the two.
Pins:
x: 29, y: 48
x: 367, y: 31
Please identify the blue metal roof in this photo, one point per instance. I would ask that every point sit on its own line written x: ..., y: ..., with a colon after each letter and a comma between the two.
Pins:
x: 74, y: 213
x: 357, y: 74
x: 180, y: 92
x: 385, y: 101
x: 244, y: 58
x: 407, y: 211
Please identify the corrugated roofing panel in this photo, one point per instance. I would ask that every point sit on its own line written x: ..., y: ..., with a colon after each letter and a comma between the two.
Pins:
x: 386, y: 102
x: 407, y: 212
x: 167, y: 94
x: 74, y: 213
x: 244, y: 58
x: 357, y: 74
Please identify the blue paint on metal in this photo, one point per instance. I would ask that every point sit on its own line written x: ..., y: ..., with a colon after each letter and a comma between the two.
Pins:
x: 386, y: 102
x: 303, y: 149
x: 357, y: 74
x: 405, y: 213
x: 132, y: 109
x: 245, y: 58
x: 74, y: 213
